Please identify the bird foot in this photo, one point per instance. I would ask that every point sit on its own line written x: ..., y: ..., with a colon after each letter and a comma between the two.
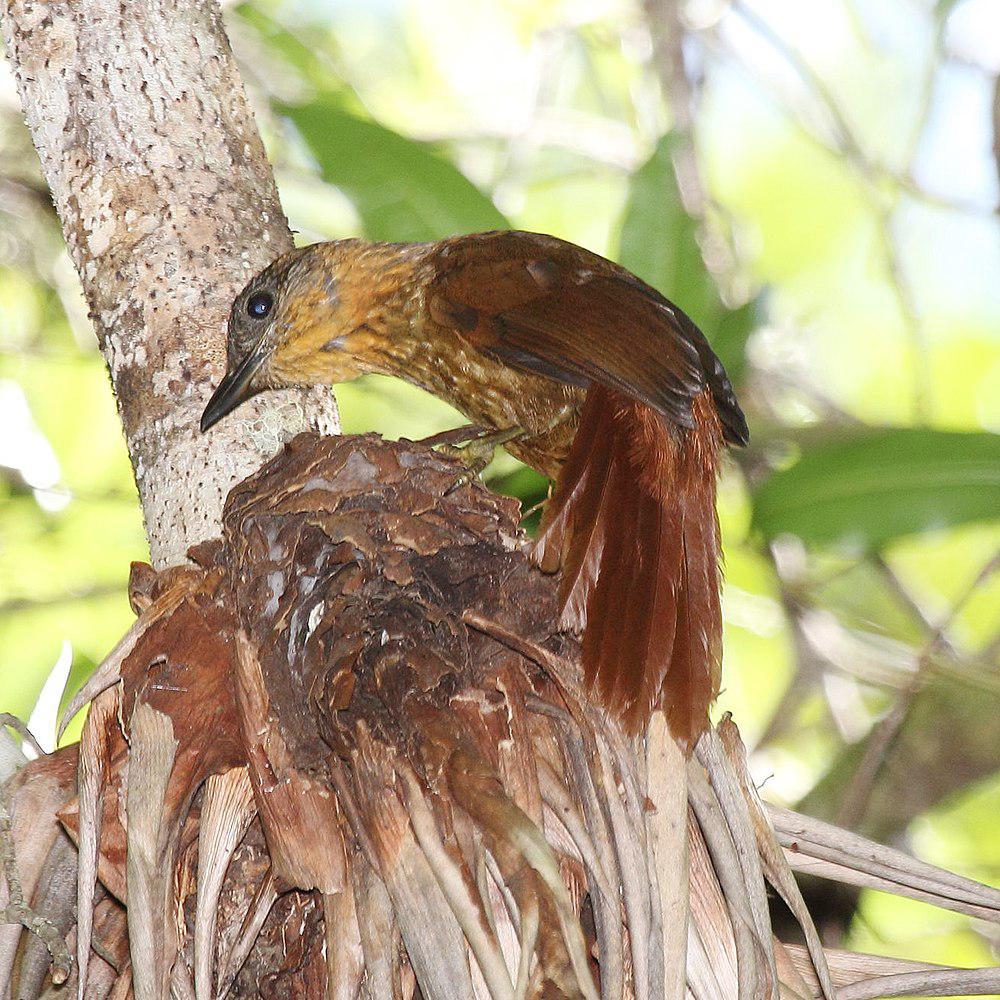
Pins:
x: 477, y: 453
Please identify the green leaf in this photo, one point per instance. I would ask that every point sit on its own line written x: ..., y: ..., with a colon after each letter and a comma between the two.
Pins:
x: 658, y: 237
x: 880, y: 483
x: 732, y: 331
x: 658, y: 242
x: 402, y: 189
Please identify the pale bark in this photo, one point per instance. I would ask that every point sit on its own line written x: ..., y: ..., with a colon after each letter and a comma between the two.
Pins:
x: 168, y: 206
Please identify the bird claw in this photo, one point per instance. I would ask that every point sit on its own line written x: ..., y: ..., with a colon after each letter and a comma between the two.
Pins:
x: 477, y: 454
x: 474, y: 456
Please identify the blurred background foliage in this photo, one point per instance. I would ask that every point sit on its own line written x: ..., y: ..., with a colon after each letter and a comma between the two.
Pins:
x: 816, y: 183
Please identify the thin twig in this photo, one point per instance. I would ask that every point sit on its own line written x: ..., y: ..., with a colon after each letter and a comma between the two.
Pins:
x: 17, y: 911
x: 943, y: 983
x: 13, y: 722
x: 848, y: 873
x: 884, y: 734
x: 607, y: 913
x: 776, y: 867
x: 837, y: 853
x: 724, y: 782
x: 496, y: 875
x: 884, y: 206
x: 527, y: 938
x: 636, y: 890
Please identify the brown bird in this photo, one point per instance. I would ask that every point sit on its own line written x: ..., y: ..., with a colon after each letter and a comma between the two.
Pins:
x: 588, y: 375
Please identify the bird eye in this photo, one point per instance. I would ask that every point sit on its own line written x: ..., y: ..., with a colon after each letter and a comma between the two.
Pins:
x: 259, y: 305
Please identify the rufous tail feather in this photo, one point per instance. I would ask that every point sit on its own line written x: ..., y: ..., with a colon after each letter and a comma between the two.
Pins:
x: 633, y: 526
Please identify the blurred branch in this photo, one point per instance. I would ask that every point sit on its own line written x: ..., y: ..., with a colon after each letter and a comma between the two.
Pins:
x: 14, y: 189
x: 13, y: 479
x: 975, y: 668
x: 843, y: 133
x: 884, y: 204
x: 823, y: 644
x: 808, y: 669
x: 845, y: 144
x: 926, y: 100
x: 48, y: 354
x: 775, y: 378
x: 899, y: 589
x: 990, y: 653
x: 884, y: 175
x: 882, y: 737
x: 667, y: 32
x: 947, y: 741
x: 597, y: 138
x: 18, y: 604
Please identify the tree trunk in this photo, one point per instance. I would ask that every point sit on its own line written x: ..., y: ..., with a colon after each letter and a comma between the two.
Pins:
x: 168, y: 206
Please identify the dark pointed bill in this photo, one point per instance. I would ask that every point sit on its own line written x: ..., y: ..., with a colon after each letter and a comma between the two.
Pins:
x: 234, y: 389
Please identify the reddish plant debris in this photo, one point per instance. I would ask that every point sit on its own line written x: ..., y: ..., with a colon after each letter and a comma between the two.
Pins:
x: 378, y: 652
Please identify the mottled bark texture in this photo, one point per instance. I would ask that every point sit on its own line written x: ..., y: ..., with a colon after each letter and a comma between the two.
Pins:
x: 168, y: 206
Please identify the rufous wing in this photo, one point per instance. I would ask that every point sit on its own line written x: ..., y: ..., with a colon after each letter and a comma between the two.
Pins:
x: 547, y: 306
x: 632, y: 523
x: 633, y: 526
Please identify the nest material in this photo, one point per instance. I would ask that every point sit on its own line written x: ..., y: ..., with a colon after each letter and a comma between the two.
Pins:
x: 355, y: 570
x: 344, y: 753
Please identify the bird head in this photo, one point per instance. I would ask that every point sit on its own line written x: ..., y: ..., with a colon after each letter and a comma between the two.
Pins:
x: 306, y: 319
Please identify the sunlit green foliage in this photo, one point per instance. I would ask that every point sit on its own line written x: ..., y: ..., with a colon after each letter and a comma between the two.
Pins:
x: 851, y: 287
x: 848, y: 490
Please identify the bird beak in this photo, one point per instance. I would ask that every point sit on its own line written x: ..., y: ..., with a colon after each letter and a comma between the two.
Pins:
x: 234, y: 389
